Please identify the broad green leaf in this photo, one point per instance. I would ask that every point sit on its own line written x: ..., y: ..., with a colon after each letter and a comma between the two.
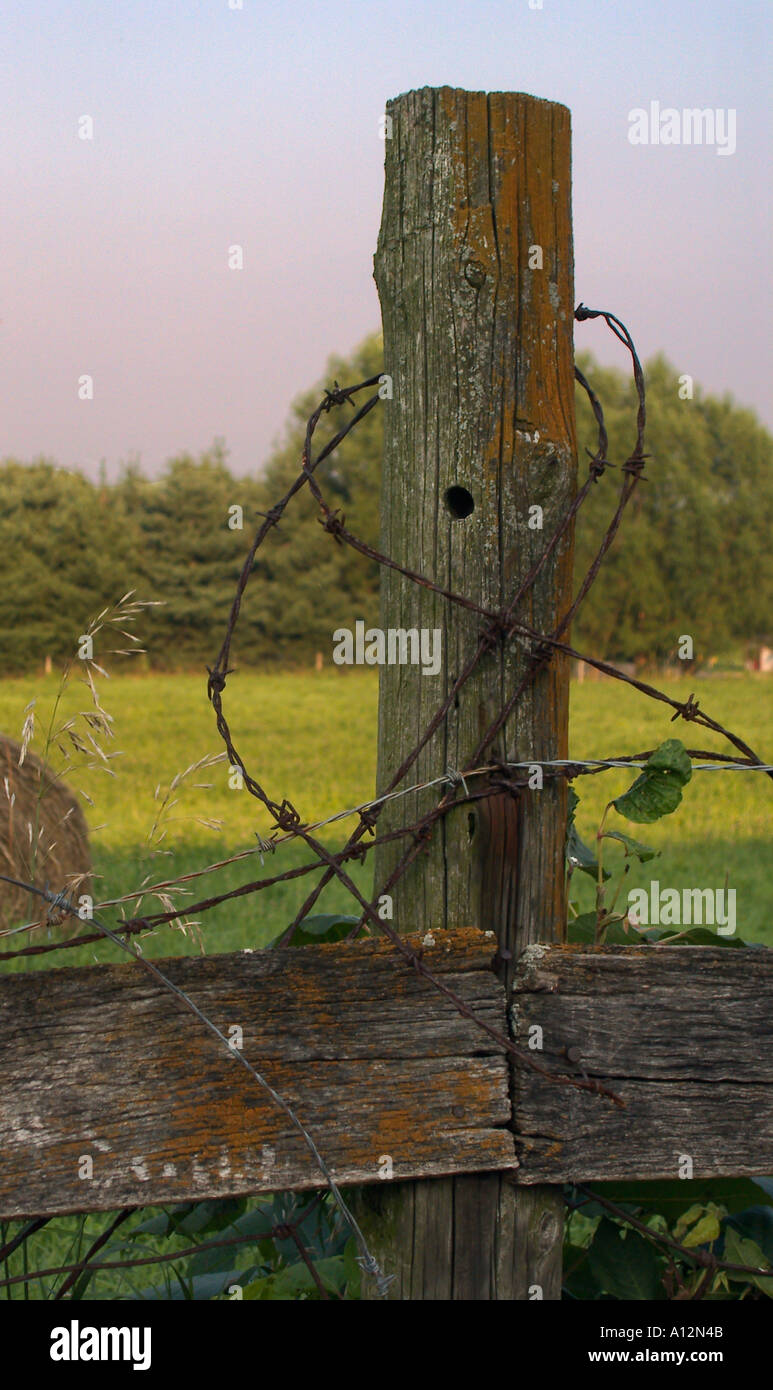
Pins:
x: 672, y: 757
x: 578, y: 855
x: 625, y: 1268
x: 691, y: 936
x: 703, y: 1232
x: 757, y: 1224
x: 297, y: 1281
x: 632, y: 847
x: 155, y: 1226
x: 739, y: 1250
x: 199, y: 1289
x: 329, y: 926
x: 658, y: 790
x: 352, y: 1271
x: 687, y: 1218
x: 217, y: 1258
x: 582, y: 931
x: 579, y: 1280
x: 211, y: 1216
x: 254, y: 1221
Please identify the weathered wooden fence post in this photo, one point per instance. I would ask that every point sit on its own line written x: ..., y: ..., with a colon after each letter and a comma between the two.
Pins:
x: 475, y: 275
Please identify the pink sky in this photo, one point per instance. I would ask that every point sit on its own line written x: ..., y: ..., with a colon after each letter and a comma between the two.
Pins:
x: 259, y: 126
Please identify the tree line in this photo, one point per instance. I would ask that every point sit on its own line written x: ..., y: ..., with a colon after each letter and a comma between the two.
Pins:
x: 692, y: 555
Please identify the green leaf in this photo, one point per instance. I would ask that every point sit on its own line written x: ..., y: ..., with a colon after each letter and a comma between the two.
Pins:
x: 582, y: 931
x: 212, y: 1216
x: 704, y: 1232
x: 579, y: 1281
x: 257, y: 1220
x: 215, y: 1259
x: 739, y: 1250
x: 757, y: 1224
x: 658, y: 790
x: 156, y: 1226
x: 632, y: 847
x: 672, y: 756
x: 691, y: 936
x: 687, y: 1218
x: 625, y: 1268
x: 352, y: 1271
x: 296, y: 1281
x: 578, y: 855
x: 330, y: 926
x: 199, y: 1289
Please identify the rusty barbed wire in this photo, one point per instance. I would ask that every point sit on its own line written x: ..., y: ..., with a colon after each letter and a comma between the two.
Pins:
x: 499, y: 627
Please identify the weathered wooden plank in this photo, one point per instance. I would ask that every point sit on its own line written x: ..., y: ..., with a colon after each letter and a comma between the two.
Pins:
x: 102, y: 1064
x: 480, y: 429
x: 682, y: 1034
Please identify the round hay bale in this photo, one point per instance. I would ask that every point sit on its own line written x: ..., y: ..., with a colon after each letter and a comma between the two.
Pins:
x: 36, y: 807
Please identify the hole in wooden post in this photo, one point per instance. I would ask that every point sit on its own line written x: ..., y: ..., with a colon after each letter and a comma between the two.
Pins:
x: 471, y: 824
x: 459, y: 502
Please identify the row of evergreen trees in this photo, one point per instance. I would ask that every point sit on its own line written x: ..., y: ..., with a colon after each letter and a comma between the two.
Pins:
x: 693, y: 555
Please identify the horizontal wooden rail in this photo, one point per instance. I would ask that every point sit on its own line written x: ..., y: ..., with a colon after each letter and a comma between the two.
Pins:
x: 113, y: 1094
x: 683, y: 1034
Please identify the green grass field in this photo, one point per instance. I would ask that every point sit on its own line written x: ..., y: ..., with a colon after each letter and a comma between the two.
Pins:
x: 311, y: 737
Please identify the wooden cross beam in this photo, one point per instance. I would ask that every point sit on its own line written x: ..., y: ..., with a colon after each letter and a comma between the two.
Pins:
x: 114, y: 1095
x: 682, y: 1034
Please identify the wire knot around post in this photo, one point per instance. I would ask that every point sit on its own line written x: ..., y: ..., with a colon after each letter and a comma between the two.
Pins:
x: 370, y: 1265
x: 581, y: 313
x: 368, y: 818
x: 504, y: 781
x: 541, y: 653
x: 59, y: 907
x: 456, y: 779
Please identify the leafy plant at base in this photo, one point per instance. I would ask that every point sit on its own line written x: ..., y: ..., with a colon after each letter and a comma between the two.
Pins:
x: 728, y: 1218
x: 656, y: 792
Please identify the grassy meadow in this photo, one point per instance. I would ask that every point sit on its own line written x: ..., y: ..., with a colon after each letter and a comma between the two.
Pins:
x: 311, y: 737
